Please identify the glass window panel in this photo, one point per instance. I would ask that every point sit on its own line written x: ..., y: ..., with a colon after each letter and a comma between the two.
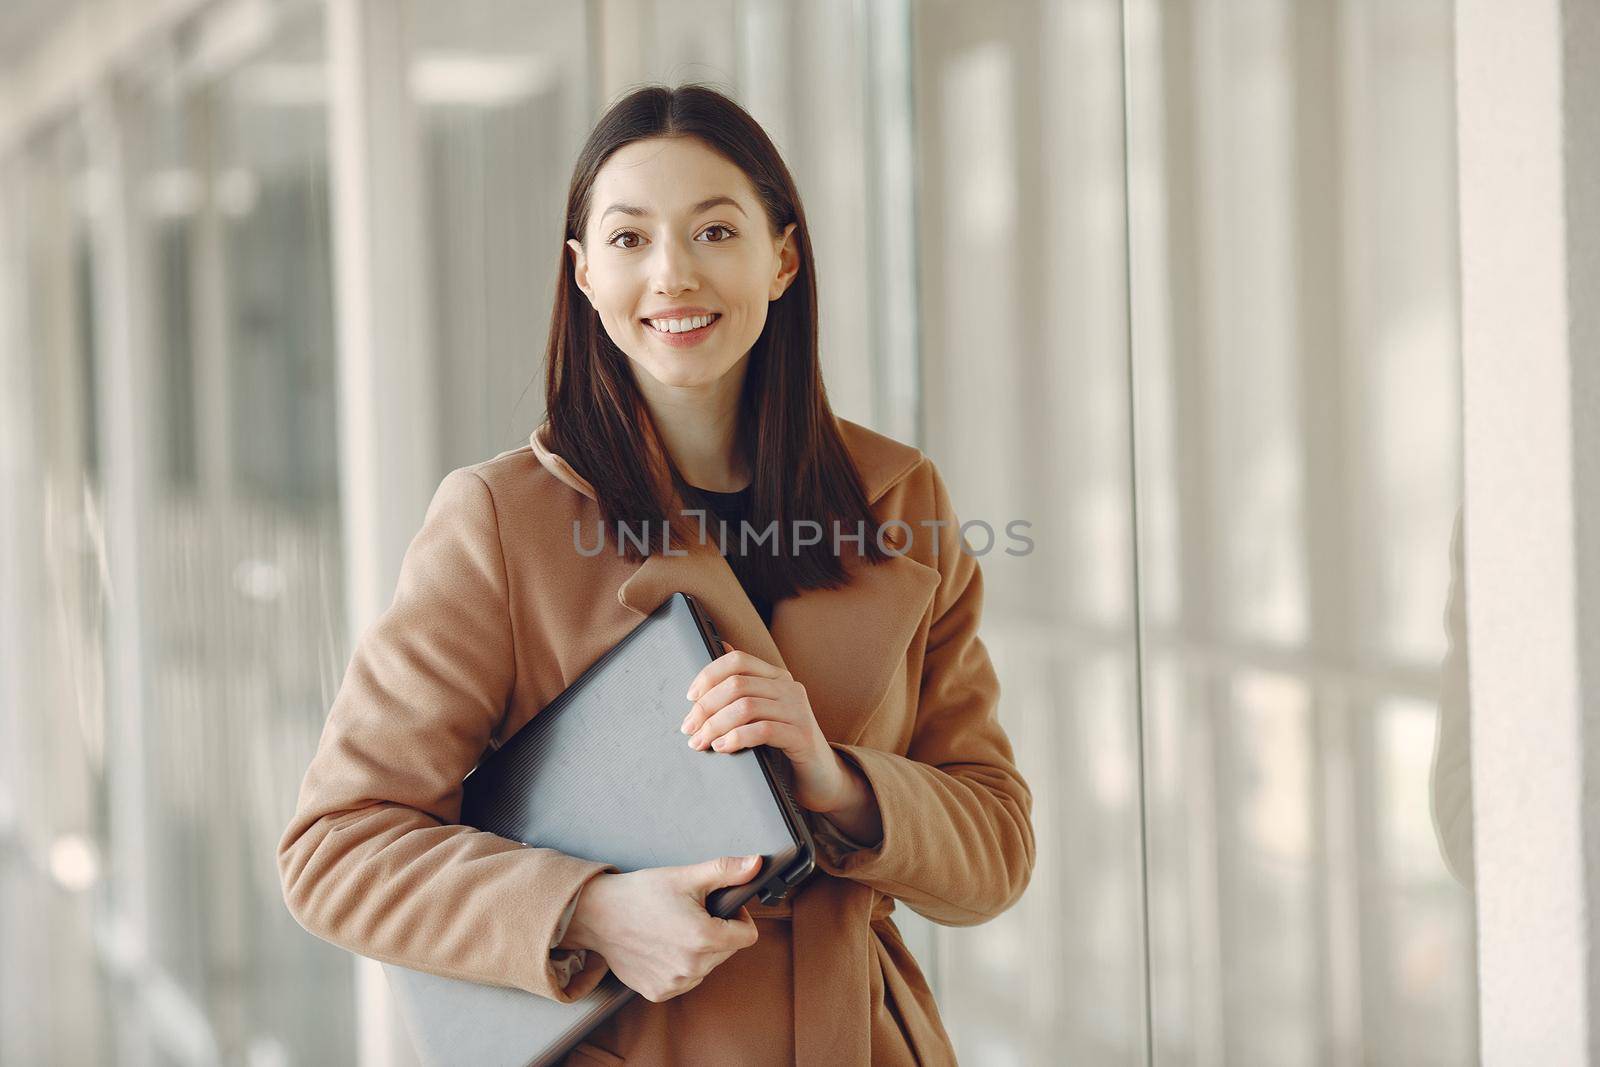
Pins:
x: 1266, y: 880
x: 242, y: 631
x: 1405, y: 354
x: 1424, y: 933
x: 1297, y: 384
x: 55, y: 1005
x: 1023, y: 335
x: 502, y: 97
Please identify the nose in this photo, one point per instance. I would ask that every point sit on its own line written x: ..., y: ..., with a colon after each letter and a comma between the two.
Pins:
x: 672, y: 267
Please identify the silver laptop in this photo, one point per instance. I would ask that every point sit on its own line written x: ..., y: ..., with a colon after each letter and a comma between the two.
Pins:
x: 603, y: 773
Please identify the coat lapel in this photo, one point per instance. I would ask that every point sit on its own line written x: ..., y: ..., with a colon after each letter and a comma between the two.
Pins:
x: 845, y: 645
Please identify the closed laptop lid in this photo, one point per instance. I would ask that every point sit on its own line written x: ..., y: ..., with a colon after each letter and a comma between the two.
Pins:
x: 604, y: 773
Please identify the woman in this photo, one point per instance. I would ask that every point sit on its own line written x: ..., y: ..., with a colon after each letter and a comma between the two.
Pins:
x: 682, y: 373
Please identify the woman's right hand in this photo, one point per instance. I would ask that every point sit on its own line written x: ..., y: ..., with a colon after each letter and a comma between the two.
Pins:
x: 652, y: 928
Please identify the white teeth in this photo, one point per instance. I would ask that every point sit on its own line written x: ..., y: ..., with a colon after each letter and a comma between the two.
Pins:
x: 680, y: 325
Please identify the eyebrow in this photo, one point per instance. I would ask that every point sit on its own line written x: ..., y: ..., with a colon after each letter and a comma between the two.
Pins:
x: 708, y: 202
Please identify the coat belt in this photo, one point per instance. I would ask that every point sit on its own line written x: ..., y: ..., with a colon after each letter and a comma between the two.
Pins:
x: 882, y: 907
x: 831, y: 940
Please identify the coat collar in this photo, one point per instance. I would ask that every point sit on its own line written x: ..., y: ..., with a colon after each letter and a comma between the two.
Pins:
x: 844, y: 645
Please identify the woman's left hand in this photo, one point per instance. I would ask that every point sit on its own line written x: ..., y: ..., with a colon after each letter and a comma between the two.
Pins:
x: 742, y: 701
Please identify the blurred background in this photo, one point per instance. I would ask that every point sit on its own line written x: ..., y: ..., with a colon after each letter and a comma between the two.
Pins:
x: 270, y: 268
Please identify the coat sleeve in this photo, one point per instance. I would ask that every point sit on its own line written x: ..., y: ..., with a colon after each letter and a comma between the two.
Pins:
x: 373, y: 859
x: 958, y: 844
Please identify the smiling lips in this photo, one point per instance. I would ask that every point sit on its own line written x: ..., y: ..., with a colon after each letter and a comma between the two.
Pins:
x: 684, y: 332
x: 681, y: 323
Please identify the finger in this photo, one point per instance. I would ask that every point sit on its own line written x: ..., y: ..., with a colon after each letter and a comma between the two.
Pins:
x: 741, y: 937
x: 732, y: 662
x: 751, y: 698
x: 721, y: 871
x: 747, y: 927
x: 739, y: 925
x: 783, y: 735
x: 739, y: 713
x: 735, y: 934
x: 725, y: 693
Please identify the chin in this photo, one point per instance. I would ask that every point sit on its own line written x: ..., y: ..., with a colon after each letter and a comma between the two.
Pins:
x: 685, y: 375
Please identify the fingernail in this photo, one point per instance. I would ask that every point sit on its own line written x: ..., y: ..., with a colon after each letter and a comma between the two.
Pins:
x: 690, y: 694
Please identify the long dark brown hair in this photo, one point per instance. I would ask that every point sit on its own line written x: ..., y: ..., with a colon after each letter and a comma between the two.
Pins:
x: 599, y: 421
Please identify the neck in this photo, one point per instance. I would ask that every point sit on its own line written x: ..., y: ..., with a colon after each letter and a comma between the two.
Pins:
x: 698, y: 425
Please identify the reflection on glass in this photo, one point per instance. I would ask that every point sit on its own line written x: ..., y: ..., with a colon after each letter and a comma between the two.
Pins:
x: 54, y: 595
x: 501, y: 97
x: 1023, y: 350
x: 241, y: 536
x: 1298, y: 443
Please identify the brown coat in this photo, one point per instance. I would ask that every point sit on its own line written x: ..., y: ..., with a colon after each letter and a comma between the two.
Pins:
x: 495, y: 613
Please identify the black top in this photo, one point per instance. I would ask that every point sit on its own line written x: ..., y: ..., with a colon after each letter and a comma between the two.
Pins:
x: 733, y: 508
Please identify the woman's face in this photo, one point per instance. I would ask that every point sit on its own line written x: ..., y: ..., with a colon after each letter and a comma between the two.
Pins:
x: 676, y: 232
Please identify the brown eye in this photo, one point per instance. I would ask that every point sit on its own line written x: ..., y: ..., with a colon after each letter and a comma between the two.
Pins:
x: 729, y: 230
x: 618, y: 236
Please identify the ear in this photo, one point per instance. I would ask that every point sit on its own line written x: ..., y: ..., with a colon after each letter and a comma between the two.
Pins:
x: 788, y: 263
x: 580, y: 267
